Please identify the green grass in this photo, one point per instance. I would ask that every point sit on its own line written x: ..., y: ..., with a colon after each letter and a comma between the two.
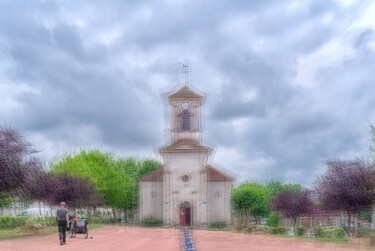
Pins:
x: 318, y: 239
x: 220, y: 229
x: 17, y: 232
x: 10, y: 232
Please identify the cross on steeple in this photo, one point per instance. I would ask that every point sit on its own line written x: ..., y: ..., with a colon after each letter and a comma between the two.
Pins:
x: 185, y: 69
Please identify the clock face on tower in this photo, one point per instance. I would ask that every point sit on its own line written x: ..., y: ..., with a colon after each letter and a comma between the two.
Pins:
x: 185, y: 105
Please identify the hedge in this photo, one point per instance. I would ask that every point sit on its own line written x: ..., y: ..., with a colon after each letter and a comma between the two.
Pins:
x: 152, y: 222
x: 278, y: 230
x: 218, y: 224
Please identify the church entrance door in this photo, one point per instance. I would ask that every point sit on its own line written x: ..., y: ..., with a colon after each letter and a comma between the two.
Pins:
x: 185, y: 214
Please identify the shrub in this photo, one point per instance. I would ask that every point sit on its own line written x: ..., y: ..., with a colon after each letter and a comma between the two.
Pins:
x: 339, y: 233
x: 249, y: 229
x: 218, y: 224
x: 273, y: 220
x: 278, y: 230
x: 102, y: 220
x: 365, y: 232
x: 328, y: 233
x: 301, y: 231
x: 319, y: 232
x: 152, y: 222
x: 282, y: 230
x: 240, y: 227
x: 8, y: 221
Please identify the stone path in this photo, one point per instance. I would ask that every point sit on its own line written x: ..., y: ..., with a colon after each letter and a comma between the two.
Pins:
x: 224, y: 240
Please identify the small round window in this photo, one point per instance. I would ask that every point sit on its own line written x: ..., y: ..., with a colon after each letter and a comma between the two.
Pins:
x: 185, y: 178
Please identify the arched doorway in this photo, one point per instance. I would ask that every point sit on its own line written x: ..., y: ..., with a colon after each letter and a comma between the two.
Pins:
x: 185, y: 214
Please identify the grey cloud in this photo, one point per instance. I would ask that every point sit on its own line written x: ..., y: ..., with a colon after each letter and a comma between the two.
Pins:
x: 112, y: 91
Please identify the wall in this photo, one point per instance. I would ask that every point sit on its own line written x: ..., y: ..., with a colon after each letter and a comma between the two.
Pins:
x: 151, y: 199
x: 178, y: 191
x: 219, y: 201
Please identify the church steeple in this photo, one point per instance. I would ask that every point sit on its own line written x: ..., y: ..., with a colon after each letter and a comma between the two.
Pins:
x: 186, y: 119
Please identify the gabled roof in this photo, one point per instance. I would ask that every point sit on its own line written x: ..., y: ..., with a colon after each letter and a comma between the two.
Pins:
x: 185, y: 93
x: 214, y: 174
x: 156, y: 175
x: 185, y: 145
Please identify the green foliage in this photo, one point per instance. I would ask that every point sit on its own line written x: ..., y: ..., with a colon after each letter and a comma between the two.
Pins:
x: 251, y: 196
x: 365, y: 232
x: 278, y: 230
x: 152, y: 222
x: 101, y: 220
x: 365, y: 215
x: 319, y: 232
x: 372, y: 148
x: 300, y: 231
x: 328, y: 233
x: 249, y: 229
x: 218, y: 224
x: 5, y: 200
x: 8, y: 221
x: 115, y: 179
x: 275, y: 187
x: 38, y: 222
x: 338, y: 233
x: 240, y: 227
x: 273, y: 220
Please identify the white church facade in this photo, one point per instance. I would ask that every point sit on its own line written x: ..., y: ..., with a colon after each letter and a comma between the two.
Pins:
x: 186, y: 190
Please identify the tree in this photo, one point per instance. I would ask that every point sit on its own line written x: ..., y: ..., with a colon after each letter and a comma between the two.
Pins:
x: 292, y: 204
x: 54, y: 188
x: 115, y: 179
x: 275, y: 187
x: 133, y: 169
x: 250, y: 198
x: 372, y: 148
x: 15, y: 167
x: 347, y: 186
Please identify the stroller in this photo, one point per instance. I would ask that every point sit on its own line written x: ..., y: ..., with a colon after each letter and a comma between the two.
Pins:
x: 78, y: 227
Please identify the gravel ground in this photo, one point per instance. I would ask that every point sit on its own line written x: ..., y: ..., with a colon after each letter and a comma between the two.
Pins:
x: 107, y: 238
x: 224, y: 240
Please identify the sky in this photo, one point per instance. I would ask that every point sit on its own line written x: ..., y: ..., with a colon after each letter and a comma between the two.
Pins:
x: 288, y: 84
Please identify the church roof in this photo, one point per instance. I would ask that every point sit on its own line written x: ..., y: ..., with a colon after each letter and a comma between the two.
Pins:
x: 156, y: 175
x: 214, y: 174
x: 185, y: 93
x: 185, y: 145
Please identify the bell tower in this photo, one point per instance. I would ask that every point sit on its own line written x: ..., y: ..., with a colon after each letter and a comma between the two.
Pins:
x: 186, y: 114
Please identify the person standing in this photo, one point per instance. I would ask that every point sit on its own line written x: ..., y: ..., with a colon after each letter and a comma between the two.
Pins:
x: 62, y: 219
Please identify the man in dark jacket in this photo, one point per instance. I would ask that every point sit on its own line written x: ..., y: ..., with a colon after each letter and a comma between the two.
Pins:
x: 62, y: 219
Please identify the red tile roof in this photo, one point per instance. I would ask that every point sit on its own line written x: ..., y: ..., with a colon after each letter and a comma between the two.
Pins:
x: 185, y: 93
x: 156, y: 175
x: 214, y: 174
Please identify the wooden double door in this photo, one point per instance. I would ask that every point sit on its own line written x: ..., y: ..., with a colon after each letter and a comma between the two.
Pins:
x: 185, y: 215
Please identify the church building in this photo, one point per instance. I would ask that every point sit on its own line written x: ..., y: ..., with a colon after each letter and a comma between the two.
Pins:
x: 186, y: 190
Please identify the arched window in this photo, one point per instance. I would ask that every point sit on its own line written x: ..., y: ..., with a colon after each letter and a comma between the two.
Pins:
x: 185, y: 120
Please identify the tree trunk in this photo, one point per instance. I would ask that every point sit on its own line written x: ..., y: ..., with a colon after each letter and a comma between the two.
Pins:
x: 114, y: 212
x: 40, y: 208
x: 349, y: 221
x: 125, y: 216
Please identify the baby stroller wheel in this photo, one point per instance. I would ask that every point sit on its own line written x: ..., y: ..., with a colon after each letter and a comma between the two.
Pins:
x: 86, y: 234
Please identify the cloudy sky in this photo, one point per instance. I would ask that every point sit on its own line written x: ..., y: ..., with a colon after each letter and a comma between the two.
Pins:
x: 289, y: 84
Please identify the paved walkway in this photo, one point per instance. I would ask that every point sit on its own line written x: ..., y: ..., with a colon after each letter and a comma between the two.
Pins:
x: 136, y: 238
x: 225, y: 240
x: 108, y: 238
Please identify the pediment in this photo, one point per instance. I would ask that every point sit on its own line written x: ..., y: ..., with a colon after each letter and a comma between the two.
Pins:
x: 185, y: 145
